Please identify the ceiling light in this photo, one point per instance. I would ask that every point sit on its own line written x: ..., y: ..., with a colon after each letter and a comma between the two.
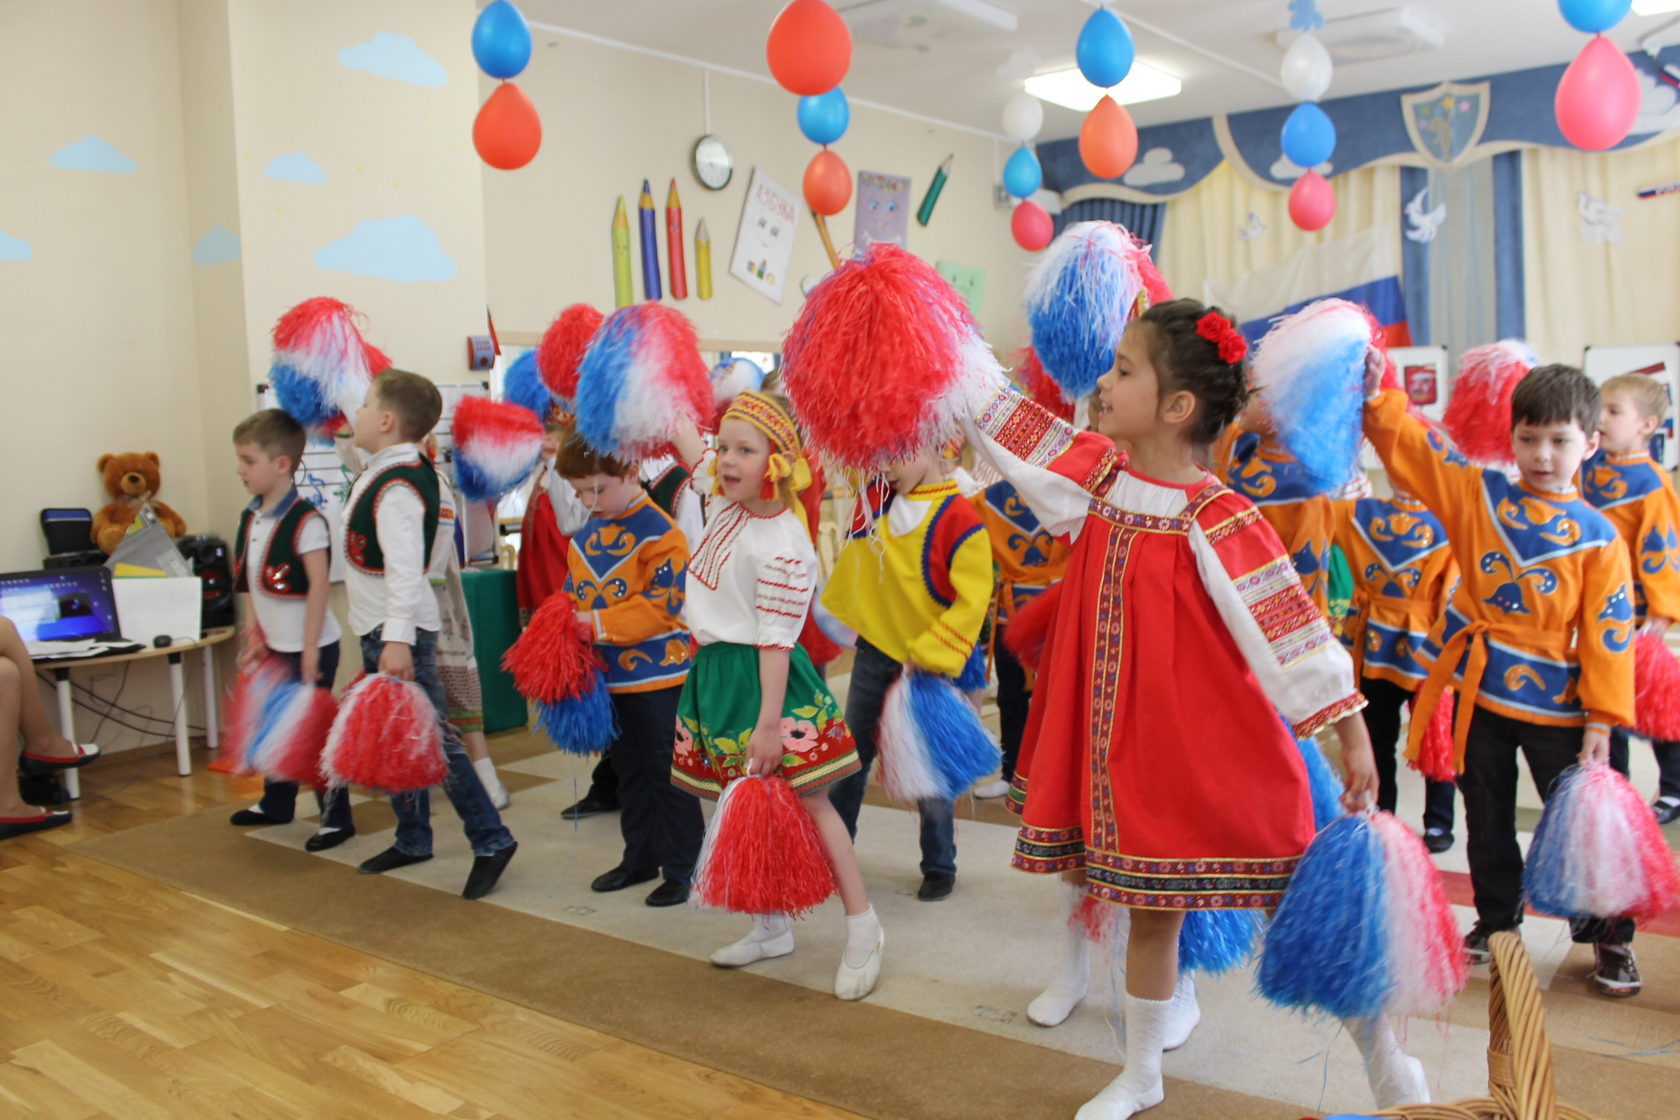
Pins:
x: 1655, y: 7
x: 1070, y: 89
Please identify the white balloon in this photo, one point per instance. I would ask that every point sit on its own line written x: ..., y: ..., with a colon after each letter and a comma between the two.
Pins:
x: 1306, y: 68
x: 1023, y: 116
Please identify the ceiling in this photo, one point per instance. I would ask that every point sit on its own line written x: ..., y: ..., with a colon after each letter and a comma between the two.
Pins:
x: 924, y: 57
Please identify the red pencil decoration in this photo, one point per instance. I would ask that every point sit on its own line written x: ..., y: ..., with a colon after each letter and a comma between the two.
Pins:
x: 674, y: 239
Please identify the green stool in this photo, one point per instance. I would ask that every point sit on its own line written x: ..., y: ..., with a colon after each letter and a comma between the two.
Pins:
x: 493, y: 608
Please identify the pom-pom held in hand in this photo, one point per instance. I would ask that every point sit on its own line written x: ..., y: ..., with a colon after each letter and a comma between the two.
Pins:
x: 322, y: 366
x: 1079, y: 297
x: 1426, y: 955
x: 585, y: 724
x: 1656, y: 685
x: 497, y: 446
x: 387, y: 737
x: 1041, y: 387
x: 640, y: 380
x: 1598, y: 852
x: 1215, y: 941
x: 522, y: 385
x: 279, y: 726
x: 884, y: 361
x: 961, y: 748
x: 1478, y: 412
x: 762, y: 853
x: 1322, y: 783
x: 553, y: 659
x: 1309, y: 370
x: 908, y: 774
x: 562, y: 346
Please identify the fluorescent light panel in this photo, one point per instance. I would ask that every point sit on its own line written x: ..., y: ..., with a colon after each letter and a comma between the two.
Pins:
x: 1655, y: 7
x: 1070, y: 89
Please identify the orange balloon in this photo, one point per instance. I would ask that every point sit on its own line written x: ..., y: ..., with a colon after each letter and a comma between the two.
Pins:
x: 507, y: 131
x: 828, y: 183
x: 809, y: 48
x: 1108, y: 140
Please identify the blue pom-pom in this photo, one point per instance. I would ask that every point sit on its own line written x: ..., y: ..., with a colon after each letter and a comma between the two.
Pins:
x: 523, y: 385
x: 973, y: 676
x: 962, y: 750
x: 1215, y: 941
x: 1309, y: 370
x: 1552, y: 880
x: 301, y: 397
x: 1079, y: 297
x: 1322, y: 782
x: 1327, y: 947
x: 585, y: 725
x: 602, y: 375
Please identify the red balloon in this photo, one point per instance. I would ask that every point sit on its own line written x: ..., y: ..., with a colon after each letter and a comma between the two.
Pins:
x: 1031, y: 226
x: 1312, y: 202
x: 1108, y: 140
x: 828, y: 183
x: 1597, y: 97
x: 507, y: 131
x: 809, y: 48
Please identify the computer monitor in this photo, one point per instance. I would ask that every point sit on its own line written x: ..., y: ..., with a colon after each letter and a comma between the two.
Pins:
x: 61, y: 604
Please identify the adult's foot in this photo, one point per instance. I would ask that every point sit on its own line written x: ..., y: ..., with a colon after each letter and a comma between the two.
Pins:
x: 80, y: 754
x: 31, y: 819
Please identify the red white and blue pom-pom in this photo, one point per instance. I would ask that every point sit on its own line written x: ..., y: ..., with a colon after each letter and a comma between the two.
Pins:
x: 1598, y: 852
x: 562, y: 347
x: 1478, y: 414
x: 932, y: 741
x: 730, y: 378
x: 884, y: 361
x: 762, y: 853
x: 387, y: 737
x: 1425, y: 951
x: 1041, y: 387
x: 641, y: 380
x: 279, y: 725
x: 1079, y: 298
x: 1309, y: 370
x: 555, y: 665
x: 322, y: 366
x: 1656, y: 689
x: 497, y: 446
x: 583, y: 724
x: 1435, y: 760
x: 1215, y: 941
x: 1322, y: 784
x: 523, y: 385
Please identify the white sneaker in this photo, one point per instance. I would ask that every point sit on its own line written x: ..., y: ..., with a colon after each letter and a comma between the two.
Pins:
x: 856, y: 982
x: 997, y: 787
x: 752, y: 949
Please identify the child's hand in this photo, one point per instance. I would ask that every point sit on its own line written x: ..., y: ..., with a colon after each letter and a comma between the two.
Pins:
x: 1375, y: 363
x: 1656, y: 624
x: 1595, y: 746
x: 253, y: 650
x: 309, y: 666
x: 586, y: 624
x: 1359, y: 765
x: 397, y: 660
x: 764, y: 751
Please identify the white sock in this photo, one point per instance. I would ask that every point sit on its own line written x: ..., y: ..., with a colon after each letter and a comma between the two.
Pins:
x: 1139, y: 1085
x: 1073, y: 974
x: 863, y: 933
x: 766, y: 926
x: 1186, y: 1012
x: 486, y: 771
x: 1395, y: 1077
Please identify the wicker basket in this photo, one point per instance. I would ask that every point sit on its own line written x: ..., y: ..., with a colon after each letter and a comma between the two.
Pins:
x: 1520, y: 1083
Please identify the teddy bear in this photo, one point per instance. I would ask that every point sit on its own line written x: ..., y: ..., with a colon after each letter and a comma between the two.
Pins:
x: 132, y: 480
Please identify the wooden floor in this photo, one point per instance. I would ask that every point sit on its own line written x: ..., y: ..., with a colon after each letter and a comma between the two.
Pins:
x: 122, y: 997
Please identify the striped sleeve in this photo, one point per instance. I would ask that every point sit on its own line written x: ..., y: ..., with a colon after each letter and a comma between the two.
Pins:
x: 781, y: 599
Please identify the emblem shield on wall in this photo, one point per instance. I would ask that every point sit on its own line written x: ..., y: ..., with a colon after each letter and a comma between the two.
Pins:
x: 1446, y: 122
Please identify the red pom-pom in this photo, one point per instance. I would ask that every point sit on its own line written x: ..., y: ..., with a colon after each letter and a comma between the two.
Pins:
x: 1040, y: 386
x: 1478, y: 412
x: 562, y: 347
x: 1656, y: 684
x: 239, y: 728
x: 1155, y: 285
x: 552, y: 660
x: 762, y: 853
x: 1435, y: 752
x: 387, y: 737
x: 1029, y: 627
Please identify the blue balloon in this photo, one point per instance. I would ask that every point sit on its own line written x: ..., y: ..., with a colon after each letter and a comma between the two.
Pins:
x: 824, y: 117
x: 1022, y: 175
x: 1593, y: 16
x: 501, y: 40
x: 1308, y: 136
x: 1105, y: 50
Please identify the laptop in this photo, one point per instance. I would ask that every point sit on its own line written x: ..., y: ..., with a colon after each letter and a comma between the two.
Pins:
x: 63, y: 612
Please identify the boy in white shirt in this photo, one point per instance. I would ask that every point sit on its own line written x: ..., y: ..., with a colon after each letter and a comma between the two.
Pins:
x: 281, y: 562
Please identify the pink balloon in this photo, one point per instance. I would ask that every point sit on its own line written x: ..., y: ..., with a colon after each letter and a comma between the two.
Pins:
x: 1031, y: 226
x: 1312, y: 202
x: 1597, y: 97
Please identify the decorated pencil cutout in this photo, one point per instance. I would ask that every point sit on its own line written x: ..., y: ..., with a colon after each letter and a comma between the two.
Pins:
x: 678, y: 272
x: 924, y: 213
x: 828, y: 242
x: 650, y: 244
x: 623, y: 294
x: 702, y: 261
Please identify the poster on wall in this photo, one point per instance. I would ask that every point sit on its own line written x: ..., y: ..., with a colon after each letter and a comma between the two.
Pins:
x: 764, y: 242
x: 1660, y: 360
x: 1424, y: 374
x: 969, y: 282
x: 883, y: 210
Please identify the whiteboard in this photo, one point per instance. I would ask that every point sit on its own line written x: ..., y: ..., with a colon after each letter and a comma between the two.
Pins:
x: 1658, y: 359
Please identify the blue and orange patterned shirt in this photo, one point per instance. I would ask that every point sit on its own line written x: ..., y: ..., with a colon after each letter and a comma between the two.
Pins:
x: 1638, y: 498
x: 1027, y: 557
x: 629, y: 571
x: 1261, y: 471
x: 1403, y: 571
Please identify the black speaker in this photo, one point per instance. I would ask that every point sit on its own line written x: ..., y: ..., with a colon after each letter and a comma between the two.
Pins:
x: 213, y: 565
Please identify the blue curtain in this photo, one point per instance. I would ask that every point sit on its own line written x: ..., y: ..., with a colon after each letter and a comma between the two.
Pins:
x: 1465, y: 286
x: 1414, y: 261
x: 1511, y: 295
x: 1143, y: 218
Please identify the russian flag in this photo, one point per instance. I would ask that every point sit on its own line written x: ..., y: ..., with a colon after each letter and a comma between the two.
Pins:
x: 1362, y: 269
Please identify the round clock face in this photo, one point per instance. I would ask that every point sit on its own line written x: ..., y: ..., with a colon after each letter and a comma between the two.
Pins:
x: 713, y: 165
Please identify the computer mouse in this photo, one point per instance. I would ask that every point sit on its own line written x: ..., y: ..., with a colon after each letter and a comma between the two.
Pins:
x: 162, y: 641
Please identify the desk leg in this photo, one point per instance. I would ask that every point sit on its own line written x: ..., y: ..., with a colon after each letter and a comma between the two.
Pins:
x: 178, y: 696
x: 67, y: 727
x: 212, y: 736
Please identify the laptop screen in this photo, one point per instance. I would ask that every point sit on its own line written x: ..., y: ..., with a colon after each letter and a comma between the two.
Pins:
x: 60, y: 604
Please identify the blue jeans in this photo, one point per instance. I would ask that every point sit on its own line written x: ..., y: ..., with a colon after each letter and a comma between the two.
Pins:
x: 873, y: 672
x: 279, y: 799
x: 479, y: 819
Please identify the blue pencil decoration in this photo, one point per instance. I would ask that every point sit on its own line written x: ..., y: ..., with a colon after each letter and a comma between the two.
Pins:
x: 650, y: 244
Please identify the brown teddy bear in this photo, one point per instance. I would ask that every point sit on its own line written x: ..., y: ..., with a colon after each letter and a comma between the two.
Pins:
x: 132, y: 480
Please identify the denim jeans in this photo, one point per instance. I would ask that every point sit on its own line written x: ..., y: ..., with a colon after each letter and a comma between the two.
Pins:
x: 873, y: 672
x: 279, y: 799
x: 479, y: 819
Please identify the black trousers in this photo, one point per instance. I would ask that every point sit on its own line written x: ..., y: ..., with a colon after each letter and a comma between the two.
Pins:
x: 1013, y: 700
x: 1386, y: 702
x: 661, y: 824
x: 603, y: 780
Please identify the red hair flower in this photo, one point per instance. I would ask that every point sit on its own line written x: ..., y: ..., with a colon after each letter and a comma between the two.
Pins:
x: 1223, y: 333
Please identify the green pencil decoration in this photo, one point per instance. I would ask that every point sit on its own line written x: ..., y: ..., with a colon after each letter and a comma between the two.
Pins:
x: 925, y: 212
x: 623, y: 294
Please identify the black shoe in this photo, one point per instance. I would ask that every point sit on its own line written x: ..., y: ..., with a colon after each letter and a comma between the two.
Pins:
x: 588, y: 807
x: 1437, y: 840
x: 255, y: 817
x: 936, y: 886
x: 388, y: 860
x: 669, y: 893
x: 619, y: 878
x: 1667, y: 809
x: 321, y: 841
x: 18, y: 826
x: 47, y: 764
x: 1614, y: 972
x: 485, y: 871
x: 1476, y: 948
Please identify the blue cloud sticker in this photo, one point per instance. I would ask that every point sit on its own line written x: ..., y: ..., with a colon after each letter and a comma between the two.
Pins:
x: 396, y: 57
x: 295, y: 167
x: 403, y: 248
x: 15, y: 248
x: 90, y: 153
x: 217, y: 246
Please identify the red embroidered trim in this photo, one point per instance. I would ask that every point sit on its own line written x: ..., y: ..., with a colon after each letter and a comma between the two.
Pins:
x: 1334, y: 713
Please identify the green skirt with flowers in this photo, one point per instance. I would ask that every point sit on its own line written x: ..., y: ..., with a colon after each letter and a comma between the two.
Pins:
x: 719, y: 710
